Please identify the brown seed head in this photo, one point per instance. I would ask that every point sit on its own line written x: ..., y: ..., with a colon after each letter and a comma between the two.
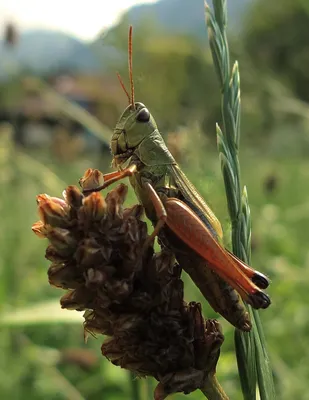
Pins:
x: 73, y: 196
x: 40, y: 229
x: 92, y: 179
x: 127, y: 292
x: 94, y: 207
x: 53, y: 211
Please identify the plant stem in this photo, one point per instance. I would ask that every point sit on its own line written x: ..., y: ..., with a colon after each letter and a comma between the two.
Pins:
x: 149, y: 388
x: 252, y: 357
x: 135, y: 389
x: 213, y: 389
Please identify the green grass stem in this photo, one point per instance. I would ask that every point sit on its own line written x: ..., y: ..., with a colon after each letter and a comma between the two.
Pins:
x: 251, y: 352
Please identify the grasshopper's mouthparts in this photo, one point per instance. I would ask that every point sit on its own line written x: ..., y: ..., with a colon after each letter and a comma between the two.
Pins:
x: 120, y: 159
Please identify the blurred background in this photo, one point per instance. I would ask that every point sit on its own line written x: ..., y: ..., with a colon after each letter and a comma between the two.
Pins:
x: 59, y: 101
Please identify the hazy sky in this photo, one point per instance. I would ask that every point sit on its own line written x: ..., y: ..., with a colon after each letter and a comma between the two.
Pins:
x: 83, y: 18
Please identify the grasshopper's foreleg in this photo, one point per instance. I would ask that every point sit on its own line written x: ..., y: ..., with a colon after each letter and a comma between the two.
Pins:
x: 112, y: 178
x: 160, y: 212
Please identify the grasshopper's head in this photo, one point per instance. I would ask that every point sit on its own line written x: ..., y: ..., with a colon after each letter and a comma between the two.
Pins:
x: 134, y: 125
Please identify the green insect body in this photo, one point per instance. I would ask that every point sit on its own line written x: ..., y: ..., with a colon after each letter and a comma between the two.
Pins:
x: 181, y: 218
x: 137, y: 141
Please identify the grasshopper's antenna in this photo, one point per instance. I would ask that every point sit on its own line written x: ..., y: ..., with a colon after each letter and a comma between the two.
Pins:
x: 130, y: 98
x: 130, y: 67
x: 123, y: 87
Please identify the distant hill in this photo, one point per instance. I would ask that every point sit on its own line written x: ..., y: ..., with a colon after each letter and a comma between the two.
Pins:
x: 170, y: 16
x: 43, y: 51
x: 183, y: 16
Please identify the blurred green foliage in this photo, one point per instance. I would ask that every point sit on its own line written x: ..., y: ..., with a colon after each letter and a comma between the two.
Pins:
x: 277, y: 40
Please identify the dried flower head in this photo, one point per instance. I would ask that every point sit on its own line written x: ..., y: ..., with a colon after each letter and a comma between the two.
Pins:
x: 91, y: 179
x: 127, y: 292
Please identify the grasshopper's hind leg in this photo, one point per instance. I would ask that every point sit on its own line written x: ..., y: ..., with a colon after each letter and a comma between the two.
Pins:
x: 192, y: 231
x: 189, y: 228
x: 259, y: 279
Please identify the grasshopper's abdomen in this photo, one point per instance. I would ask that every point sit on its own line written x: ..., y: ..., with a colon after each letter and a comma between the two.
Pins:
x: 220, y: 295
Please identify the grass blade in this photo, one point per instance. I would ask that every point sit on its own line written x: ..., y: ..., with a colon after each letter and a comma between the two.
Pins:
x: 252, y: 357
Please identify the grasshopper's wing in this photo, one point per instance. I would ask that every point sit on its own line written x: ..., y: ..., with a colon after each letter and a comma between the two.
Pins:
x: 192, y: 195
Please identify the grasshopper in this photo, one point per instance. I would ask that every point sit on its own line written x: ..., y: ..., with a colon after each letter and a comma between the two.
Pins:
x: 181, y: 218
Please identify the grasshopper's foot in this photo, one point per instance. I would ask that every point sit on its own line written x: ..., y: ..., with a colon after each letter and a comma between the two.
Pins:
x: 259, y: 300
x: 260, y: 280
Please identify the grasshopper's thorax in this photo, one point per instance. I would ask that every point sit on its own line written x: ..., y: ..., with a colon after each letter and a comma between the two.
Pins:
x: 136, y: 140
x: 160, y: 179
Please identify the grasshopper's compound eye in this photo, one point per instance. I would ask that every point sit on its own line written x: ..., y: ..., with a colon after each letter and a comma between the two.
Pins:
x: 143, y: 115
